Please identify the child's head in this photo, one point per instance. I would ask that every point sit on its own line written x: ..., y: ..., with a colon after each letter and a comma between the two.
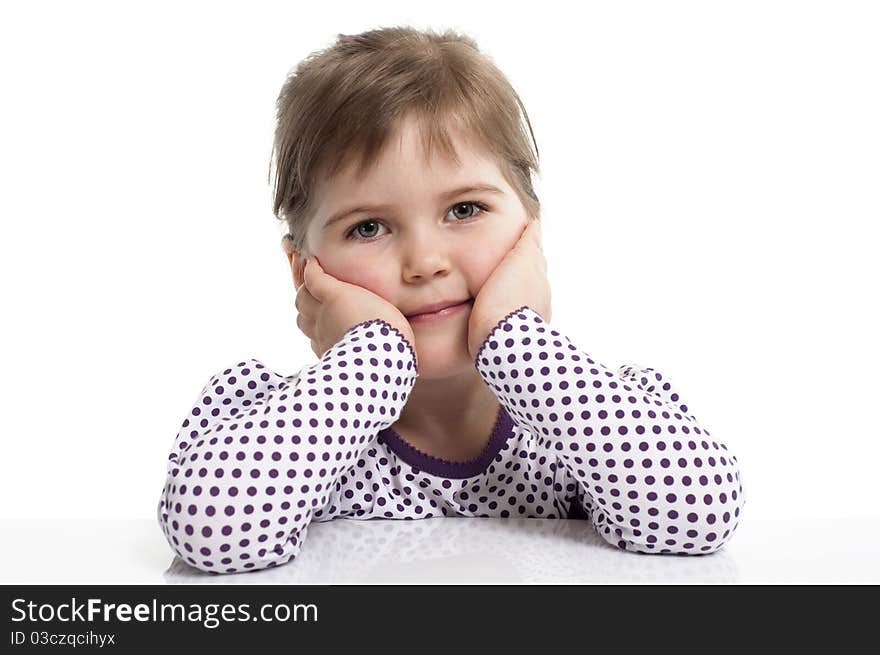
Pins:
x: 390, y: 119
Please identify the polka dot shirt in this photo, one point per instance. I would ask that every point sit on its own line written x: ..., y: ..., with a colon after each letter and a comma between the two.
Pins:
x: 261, y: 456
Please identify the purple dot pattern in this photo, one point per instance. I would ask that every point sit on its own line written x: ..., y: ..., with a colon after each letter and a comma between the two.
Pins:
x: 260, y: 456
x: 649, y: 477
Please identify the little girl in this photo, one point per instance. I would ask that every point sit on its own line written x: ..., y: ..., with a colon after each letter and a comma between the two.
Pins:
x: 441, y: 388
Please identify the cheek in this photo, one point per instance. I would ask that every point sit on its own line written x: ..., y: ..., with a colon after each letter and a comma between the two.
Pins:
x: 481, y: 262
x: 360, y: 272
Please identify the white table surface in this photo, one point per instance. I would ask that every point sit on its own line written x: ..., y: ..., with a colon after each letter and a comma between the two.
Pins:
x: 448, y: 551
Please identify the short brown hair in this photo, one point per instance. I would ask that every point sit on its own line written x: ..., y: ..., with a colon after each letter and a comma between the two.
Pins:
x: 345, y: 102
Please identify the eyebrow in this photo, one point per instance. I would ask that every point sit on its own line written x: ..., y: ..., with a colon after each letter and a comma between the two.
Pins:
x: 445, y: 195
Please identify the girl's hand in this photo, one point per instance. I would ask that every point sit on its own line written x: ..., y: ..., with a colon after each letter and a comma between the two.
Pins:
x: 329, y: 307
x: 520, y: 279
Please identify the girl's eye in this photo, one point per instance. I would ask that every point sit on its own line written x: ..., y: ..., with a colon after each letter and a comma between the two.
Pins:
x: 358, y: 235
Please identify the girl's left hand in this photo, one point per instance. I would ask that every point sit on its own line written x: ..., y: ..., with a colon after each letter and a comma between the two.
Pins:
x: 520, y: 279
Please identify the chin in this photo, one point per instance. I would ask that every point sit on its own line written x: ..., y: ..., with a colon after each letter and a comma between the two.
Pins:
x: 437, y: 361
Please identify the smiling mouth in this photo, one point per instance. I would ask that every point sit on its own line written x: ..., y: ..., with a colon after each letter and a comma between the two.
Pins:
x: 437, y: 311
x: 440, y: 314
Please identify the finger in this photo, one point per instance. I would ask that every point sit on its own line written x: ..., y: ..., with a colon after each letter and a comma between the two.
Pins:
x: 305, y: 301
x: 528, y: 234
x: 305, y: 265
x: 536, y: 234
x: 312, y: 277
x: 523, y: 236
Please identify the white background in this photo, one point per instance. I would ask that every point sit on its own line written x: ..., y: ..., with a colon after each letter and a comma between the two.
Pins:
x: 710, y: 205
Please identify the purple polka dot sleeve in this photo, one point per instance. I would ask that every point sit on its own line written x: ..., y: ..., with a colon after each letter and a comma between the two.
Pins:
x: 259, y: 453
x: 649, y: 477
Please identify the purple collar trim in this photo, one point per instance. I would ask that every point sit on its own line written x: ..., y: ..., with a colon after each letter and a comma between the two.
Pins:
x: 444, y: 468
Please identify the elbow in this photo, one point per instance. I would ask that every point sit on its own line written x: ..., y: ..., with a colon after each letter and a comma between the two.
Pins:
x: 695, y: 536
x: 706, y: 518
x: 704, y: 510
x: 211, y: 555
x: 683, y: 519
x: 214, y: 537
x: 705, y: 532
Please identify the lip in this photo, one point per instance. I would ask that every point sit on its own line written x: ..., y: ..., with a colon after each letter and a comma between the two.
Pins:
x: 445, y: 311
x: 436, y: 307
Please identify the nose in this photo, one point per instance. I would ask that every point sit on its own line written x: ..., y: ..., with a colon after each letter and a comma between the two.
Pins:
x: 418, y: 267
x: 425, y: 255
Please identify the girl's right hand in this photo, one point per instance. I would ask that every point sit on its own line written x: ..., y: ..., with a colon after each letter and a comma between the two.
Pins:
x: 329, y: 307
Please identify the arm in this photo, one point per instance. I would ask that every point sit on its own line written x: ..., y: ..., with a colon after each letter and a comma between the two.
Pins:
x: 653, y: 480
x: 259, y: 454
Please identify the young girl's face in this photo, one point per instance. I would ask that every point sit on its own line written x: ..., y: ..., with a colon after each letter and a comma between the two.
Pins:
x: 418, y: 243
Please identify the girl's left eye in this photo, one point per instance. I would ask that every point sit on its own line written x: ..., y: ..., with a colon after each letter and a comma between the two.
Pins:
x: 352, y: 234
